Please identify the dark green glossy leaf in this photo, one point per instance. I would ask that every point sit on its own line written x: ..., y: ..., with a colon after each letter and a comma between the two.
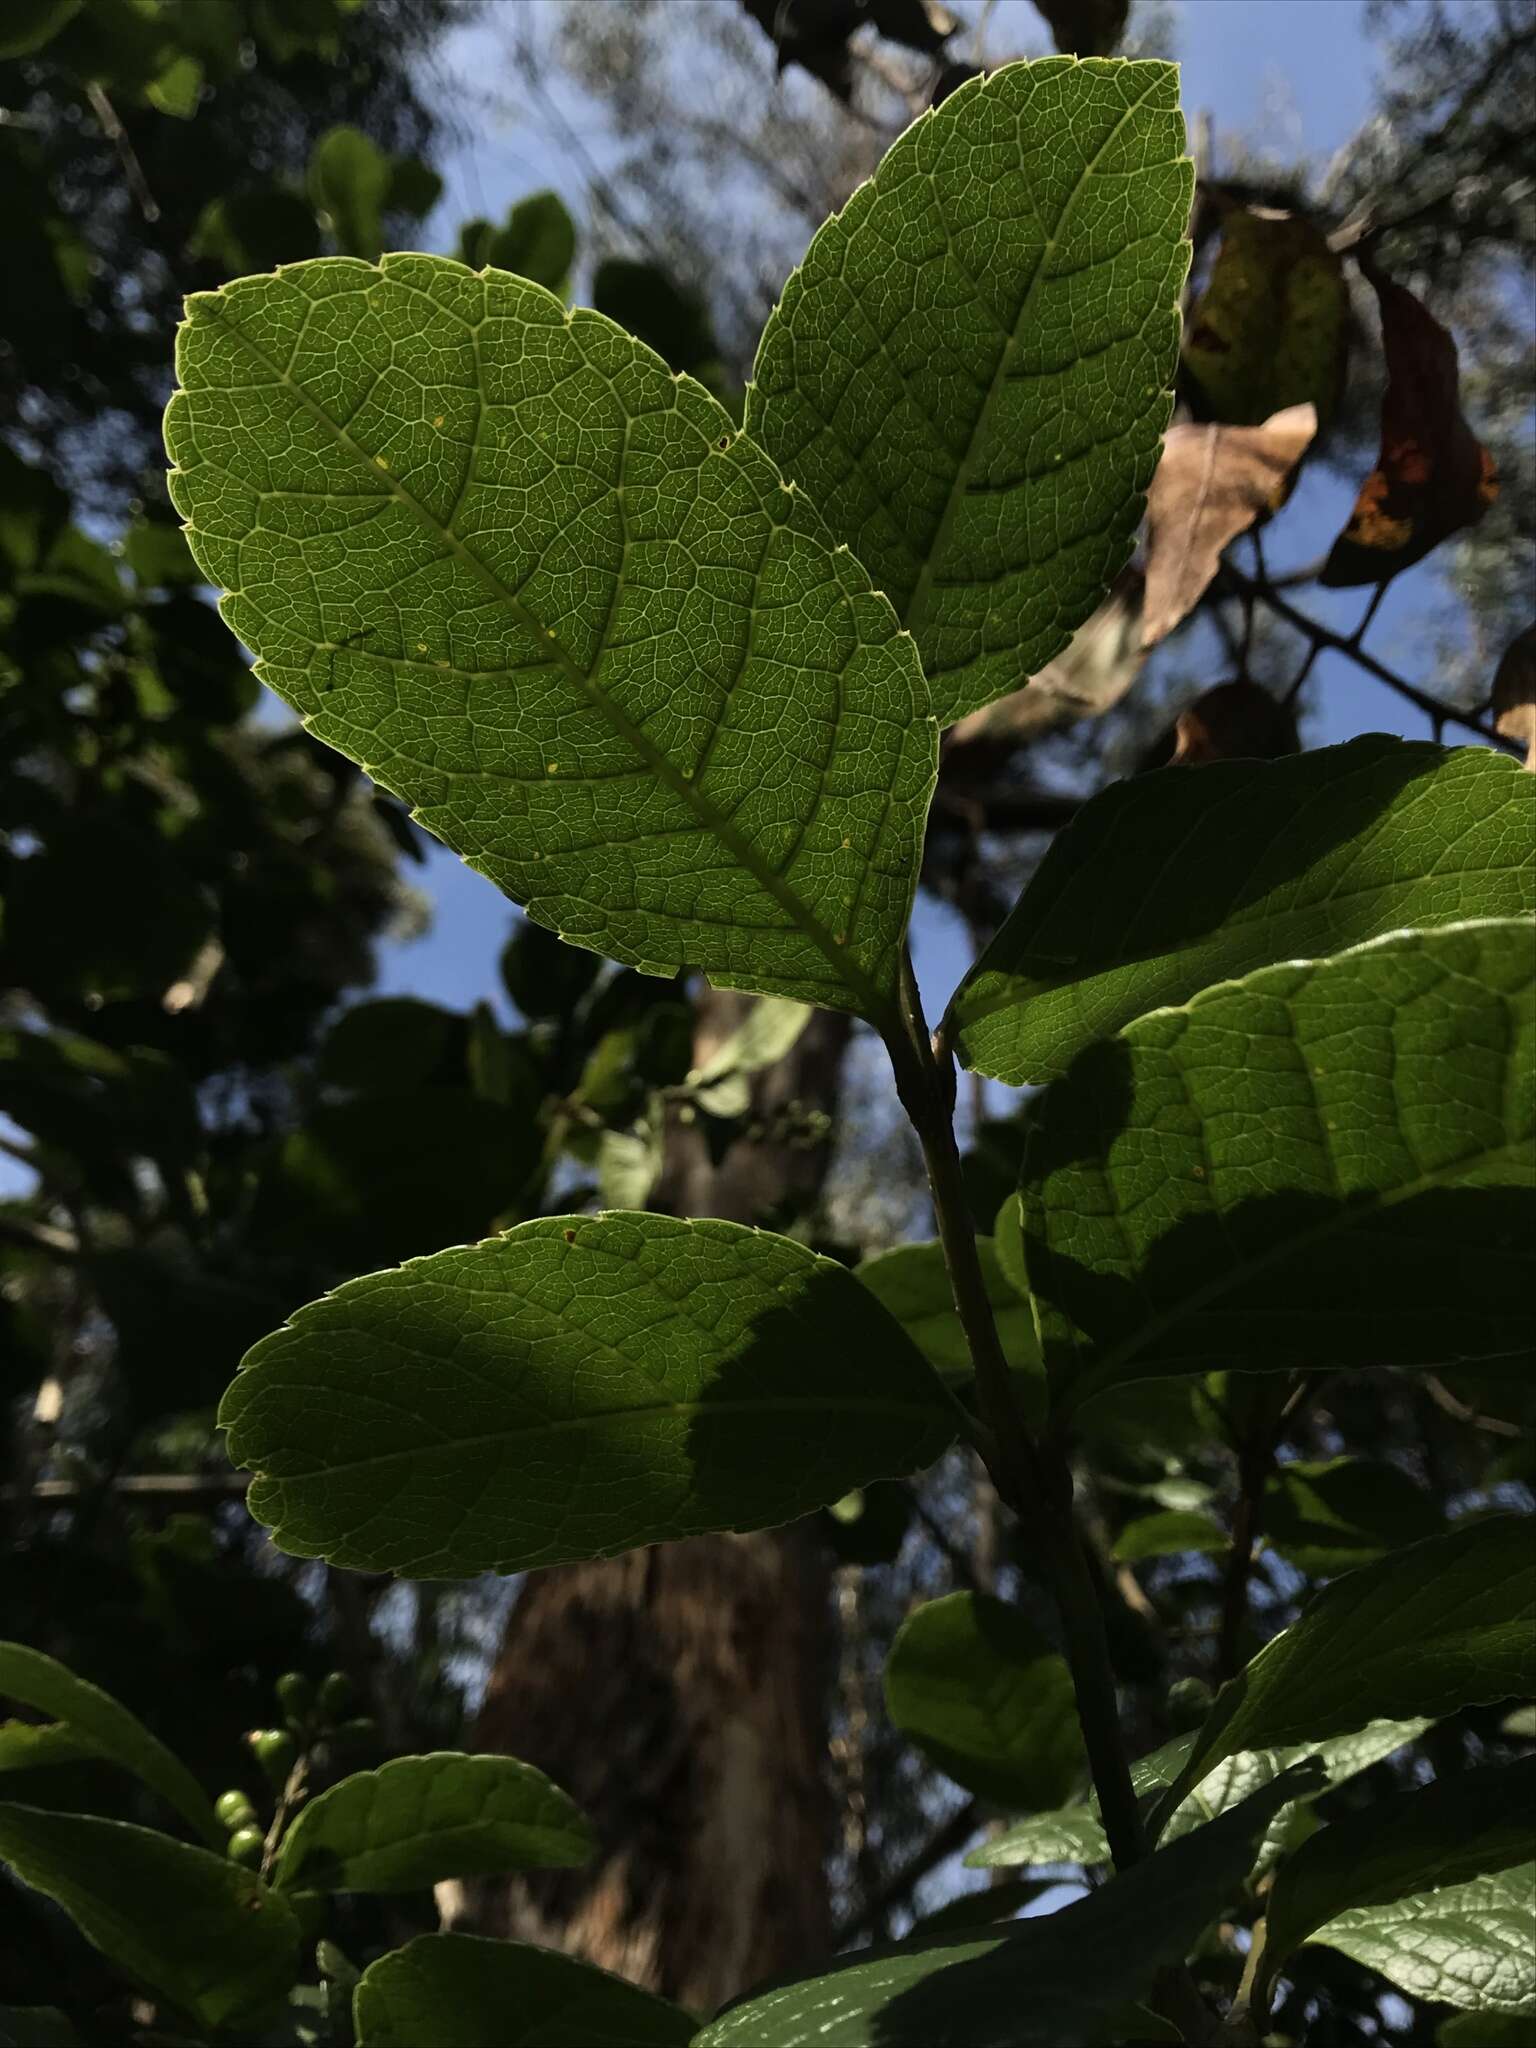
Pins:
x: 421, y: 1818
x: 573, y: 1389
x: 1292, y: 1167
x: 1467, y: 1826
x: 195, y: 1926
x: 1446, y: 1623
x: 108, y: 1730
x: 1328, y: 1515
x: 1165, y: 884
x: 969, y: 372
x: 458, y: 1991
x: 726, y: 766
x: 1052, y: 1982
x: 990, y: 1703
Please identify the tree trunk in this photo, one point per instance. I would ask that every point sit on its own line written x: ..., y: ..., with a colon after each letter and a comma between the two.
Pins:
x: 679, y: 1693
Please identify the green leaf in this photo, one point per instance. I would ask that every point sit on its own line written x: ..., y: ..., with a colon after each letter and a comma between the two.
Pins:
x: 982, y: 1908
x: 387, y: 1176
x: 721, y: 1086
x: 33, y: 1745
x: 1074, y: 1834
x: 35, y: 2026
x: 1168, y: 1534
x: 109, y: 1729
x: 1468, y: 1825
x: 1070, y: 1835
x: 29, y: 24
x: 986, y: 1700
x: 195, y: 1926
x: 616, y: 663
x: 538, y: 241
x: 1165, y: 884
x: 1446, y: 1623
x: 913, y: 1282
x: 1052, y: 1982
x: 1484, y: 2030
x: 396, y: 1042
x: 1472, y: 1945
x: 421, y: 1818
x: 1329, y: 1515
x: 642, y: 298
x: 255, y: 230
x: 1330, y: 1161
x: 573, y: 1389
x: 349, y: 181
x: 459, y: 1991
x: 970, y: 371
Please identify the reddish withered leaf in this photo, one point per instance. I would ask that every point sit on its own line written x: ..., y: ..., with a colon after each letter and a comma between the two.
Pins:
x: 1213, y: 482
x: 1514, y: 694
x: 1433, y: 476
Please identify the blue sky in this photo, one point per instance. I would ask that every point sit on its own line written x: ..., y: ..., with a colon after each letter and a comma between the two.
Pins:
x: 1295, y: 76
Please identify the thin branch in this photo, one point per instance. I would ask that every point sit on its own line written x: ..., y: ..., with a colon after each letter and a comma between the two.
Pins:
x: 117, y: 135
x: 1344, y: 643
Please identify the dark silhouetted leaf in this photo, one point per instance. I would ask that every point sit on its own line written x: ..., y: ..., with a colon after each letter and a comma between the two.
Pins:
x: 214, y: 1938
x: 458, y: 1991
x: 1328, y: 1516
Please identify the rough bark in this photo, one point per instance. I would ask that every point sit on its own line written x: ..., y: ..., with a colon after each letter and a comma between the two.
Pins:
x: 680, y: 1693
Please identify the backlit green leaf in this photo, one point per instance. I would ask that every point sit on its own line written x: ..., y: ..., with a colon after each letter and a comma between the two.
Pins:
x: 349, y: 182
x: 421, y: 1818
x: 970, y: 370
x: 108, y: 1729
x: 1051, y: 1982
x: 572, y: 1389
x: 913, y: 1282
x: 458, y: 1991
x: 988, y: 1702
x: 1468, y: 1825
x: 1446, y: 1623
x: 195, y: 1926
x: 1072, y: 1834
x: 1170, y: 882
x: 1285, y: 1170
x: 1168, y: 1534
x: 549, y: 595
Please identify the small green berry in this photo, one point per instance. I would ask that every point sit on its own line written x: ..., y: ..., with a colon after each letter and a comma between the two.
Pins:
x: 234, y: 1810
x: 335, y: 1694
x: 245, y: 1846
x: 296, y: 1697
x: 276, y: 1751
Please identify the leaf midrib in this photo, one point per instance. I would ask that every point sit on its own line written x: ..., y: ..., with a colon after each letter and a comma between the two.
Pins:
x: 912, y: 614
x: 869, y: 1000
x: 1345, y: 1216
x: 727, y: 1411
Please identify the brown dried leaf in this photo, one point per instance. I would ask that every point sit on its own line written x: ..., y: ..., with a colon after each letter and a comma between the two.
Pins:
x: 1433, y: 476
x: 1514, y: 694
x: 1233, y: 722
x: 1212, y: 484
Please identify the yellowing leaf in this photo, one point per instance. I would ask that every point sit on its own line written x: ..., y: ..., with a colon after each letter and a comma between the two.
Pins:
x: 1270, y: 328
